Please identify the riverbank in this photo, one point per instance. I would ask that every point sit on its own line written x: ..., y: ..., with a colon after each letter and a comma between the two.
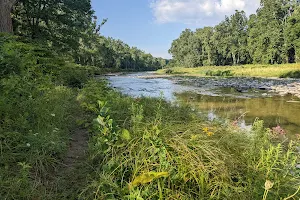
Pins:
x: 275, y: 71
x: 268, y: 86
x: 65, y: 135
x: 271, y: 86
x: 277, y: 79
x: 149, y: 148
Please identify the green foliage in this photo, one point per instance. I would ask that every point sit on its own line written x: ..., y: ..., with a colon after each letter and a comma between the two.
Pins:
x: 113, y: 54
x: 219, y: 73
x: 74, y: 75
x: 58, y: 23
x: 271, y: 36
x: 168, y: 153
x: 37, y: 114
x: 67, y: 27
x: 292, y: 74
x: 19, y: 56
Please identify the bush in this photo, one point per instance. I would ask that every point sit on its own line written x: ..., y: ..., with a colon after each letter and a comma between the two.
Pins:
x: 169, y: 71
x: 75, y: 75
x: 292, y: 74
x: 219, y: 73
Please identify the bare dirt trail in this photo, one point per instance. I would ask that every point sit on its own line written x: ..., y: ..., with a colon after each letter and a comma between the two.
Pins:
x: 69, y: 177
x: 77, y: 148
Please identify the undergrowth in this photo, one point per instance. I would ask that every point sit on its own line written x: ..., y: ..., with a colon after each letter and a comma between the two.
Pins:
x: 139, y: 148
x: 149, y: 149
x: 38, y: 111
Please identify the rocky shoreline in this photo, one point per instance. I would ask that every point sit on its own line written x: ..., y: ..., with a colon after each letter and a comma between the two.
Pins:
x: 289, y: 89
x: 244, y: 84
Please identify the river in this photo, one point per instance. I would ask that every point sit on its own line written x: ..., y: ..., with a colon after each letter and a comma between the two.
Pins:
x: 217, y: 102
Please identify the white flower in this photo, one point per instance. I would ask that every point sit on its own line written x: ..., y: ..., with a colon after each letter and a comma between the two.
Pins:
x: 28, y: 145
x: 53, y: 115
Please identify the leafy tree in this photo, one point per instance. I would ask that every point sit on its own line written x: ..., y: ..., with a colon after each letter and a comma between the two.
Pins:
x: 59, y: 23
x: 186, y: 50
x: 208, y: 55
x: 266, y: 33
x: 270, y: 36
x: 292, y: 36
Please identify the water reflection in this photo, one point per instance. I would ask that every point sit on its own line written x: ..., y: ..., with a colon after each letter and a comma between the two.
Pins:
x: 218, y: 102
x: 274, y: 111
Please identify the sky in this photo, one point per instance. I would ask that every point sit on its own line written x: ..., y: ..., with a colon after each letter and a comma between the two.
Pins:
x: 152, y: 25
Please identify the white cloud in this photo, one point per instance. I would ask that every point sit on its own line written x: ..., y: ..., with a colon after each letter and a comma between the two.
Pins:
x: 206, y: 12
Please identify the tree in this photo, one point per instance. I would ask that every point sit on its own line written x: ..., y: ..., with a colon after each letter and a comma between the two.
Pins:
x: 186, y: 50
x: 5, y: 15
x: 59, y: 23
x: 266, y: 32
x: 292, y: 36
x: 208, y: 55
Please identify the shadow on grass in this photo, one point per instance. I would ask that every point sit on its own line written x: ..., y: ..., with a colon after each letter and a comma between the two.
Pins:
x: 291, y: 74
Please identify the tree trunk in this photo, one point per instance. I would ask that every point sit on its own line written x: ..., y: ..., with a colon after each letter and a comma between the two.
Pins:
x: 5, y: 15
x: 233, y: 58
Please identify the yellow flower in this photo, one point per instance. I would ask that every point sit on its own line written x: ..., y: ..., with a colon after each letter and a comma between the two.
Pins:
x: 210, y: 133
x: 205, y: 130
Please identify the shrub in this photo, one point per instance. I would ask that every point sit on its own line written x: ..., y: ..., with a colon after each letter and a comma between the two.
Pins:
x: 169, y: 71
x: 291, y: 74
x: 219, y: 73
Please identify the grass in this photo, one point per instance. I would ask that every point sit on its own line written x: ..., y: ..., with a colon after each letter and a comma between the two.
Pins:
x: 139, y: 148
x: 146, y: 148
x: 283, y: 71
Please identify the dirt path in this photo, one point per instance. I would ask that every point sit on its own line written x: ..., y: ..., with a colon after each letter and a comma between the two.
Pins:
x: 70, y: 177
x: 77, y: 148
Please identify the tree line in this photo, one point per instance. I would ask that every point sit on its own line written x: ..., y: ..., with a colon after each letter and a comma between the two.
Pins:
x: 71, y: 28
x: 271, y: 36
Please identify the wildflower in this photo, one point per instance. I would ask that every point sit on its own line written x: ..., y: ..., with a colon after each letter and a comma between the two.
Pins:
x: 53, y: 115
x: 35, y: 134
x: 278, y: 130
x: 235, y: 123
x: 210, y: 134
x: 268, y: 185
x: 205, y: 130
x: 28, y: 145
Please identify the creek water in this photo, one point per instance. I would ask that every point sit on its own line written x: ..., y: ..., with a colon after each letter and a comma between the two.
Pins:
x: 225, y: 103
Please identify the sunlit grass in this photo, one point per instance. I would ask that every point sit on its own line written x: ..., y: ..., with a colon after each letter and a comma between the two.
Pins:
x: 240, y: 71
x: 168, y: 152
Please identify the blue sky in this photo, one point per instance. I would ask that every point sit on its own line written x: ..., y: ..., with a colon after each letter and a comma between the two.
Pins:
x: 152, y: 25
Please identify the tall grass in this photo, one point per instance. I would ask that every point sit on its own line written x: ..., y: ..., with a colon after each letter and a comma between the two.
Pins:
x: 282, y: 71
x: 148, y: 149
x: 38, y: 110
